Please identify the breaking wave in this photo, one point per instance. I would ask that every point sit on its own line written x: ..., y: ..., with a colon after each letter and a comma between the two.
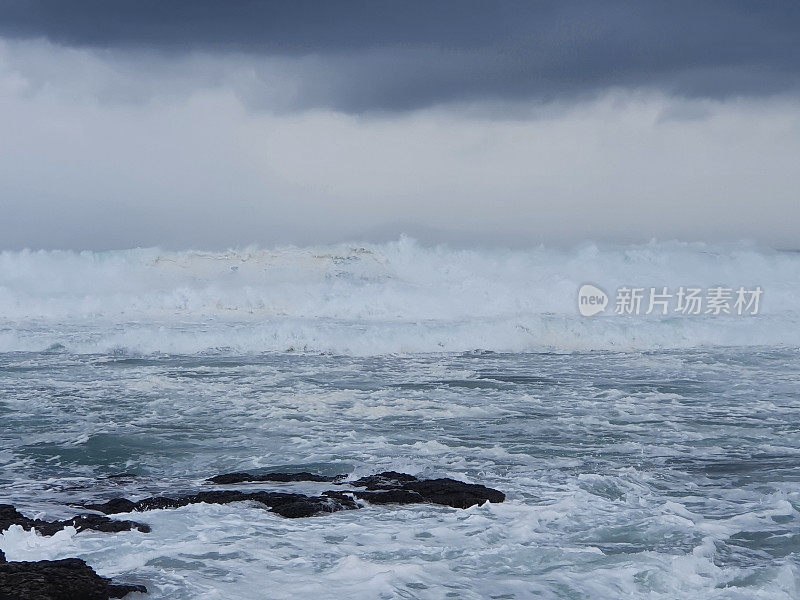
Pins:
x: 367, y: 299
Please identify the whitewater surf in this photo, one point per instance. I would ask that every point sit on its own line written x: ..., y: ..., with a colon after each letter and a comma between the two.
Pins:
x: 638, y: 455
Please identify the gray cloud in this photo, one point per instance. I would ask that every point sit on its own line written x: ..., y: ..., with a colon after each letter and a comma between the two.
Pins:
x: 140, y: 123
x: 361, y: 56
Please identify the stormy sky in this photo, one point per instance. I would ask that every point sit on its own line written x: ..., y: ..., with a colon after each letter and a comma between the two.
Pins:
x: 214, y: 124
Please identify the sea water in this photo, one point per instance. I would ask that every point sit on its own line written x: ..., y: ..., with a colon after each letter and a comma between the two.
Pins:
x: 643, y: 456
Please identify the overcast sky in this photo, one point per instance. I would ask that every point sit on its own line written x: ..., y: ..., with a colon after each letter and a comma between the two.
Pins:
x: 213, y: 124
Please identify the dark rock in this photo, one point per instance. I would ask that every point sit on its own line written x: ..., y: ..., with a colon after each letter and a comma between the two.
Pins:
x: 11, y: 516
x: 287, y: 505
x: 231, y: 478
x: 68, y: 579
x: 445, y: 491
x: 159, y: 502
x: 272, y: 498
x: 388, y: 487
x: 312, y: 506
x: 308, y: 506
x: 296, y: 510
x: 117, y: 505
x: 391, y: 497
x: 451, y: 492
x: 384, y: 480
x: 101, y: 523
x: 2, y: 557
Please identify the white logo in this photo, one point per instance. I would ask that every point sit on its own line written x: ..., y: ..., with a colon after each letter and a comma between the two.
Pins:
x: 591, y: 300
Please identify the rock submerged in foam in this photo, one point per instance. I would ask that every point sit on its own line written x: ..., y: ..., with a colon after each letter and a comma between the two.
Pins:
x: 232, y: 478
x: 284, y: 504
x: 389, y: 487
x: 11, y: 516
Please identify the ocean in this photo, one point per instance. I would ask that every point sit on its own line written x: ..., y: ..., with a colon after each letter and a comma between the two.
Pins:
x: 643, y: 456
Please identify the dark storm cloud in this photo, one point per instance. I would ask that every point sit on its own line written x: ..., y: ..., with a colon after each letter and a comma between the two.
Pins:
x: 389, y: 55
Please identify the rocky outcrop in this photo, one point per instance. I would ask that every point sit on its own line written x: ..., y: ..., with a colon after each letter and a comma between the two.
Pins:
x: 287, y: 505
x: 402, y: 488
x: 68, y: 579
x: 11, y: 516
x: 231, y: 478
x: 388, y: 487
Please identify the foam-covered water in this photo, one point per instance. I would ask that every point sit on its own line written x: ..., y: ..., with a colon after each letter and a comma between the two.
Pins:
x: 377, y: 299
x: 667, y: 470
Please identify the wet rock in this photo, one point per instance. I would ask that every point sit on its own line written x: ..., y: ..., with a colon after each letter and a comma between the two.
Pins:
x: 387, y: 479
x: 232, y: 478
x: 68, y: 579
x: 445, y: 491
x: 391, y: 497
x: 388, y: 487
x: 311, y: 506
x: 11, y: 516
x: 101, y: 523
x: 117, y: 505
x: 159, y: 502
x: 287, y: 505
x: 451, y: 492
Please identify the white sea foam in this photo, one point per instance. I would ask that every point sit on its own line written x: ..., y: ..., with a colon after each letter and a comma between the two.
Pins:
x: 380, y: 298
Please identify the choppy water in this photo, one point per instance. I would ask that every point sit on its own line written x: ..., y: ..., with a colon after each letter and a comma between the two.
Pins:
x: 643, y: 457
x: 666, y: 474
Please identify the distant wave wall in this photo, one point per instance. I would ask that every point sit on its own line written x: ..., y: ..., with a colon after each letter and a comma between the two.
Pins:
x: 371, y: 299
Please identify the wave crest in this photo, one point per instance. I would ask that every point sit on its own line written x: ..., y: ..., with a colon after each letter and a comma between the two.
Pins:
x: 380, y: 298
